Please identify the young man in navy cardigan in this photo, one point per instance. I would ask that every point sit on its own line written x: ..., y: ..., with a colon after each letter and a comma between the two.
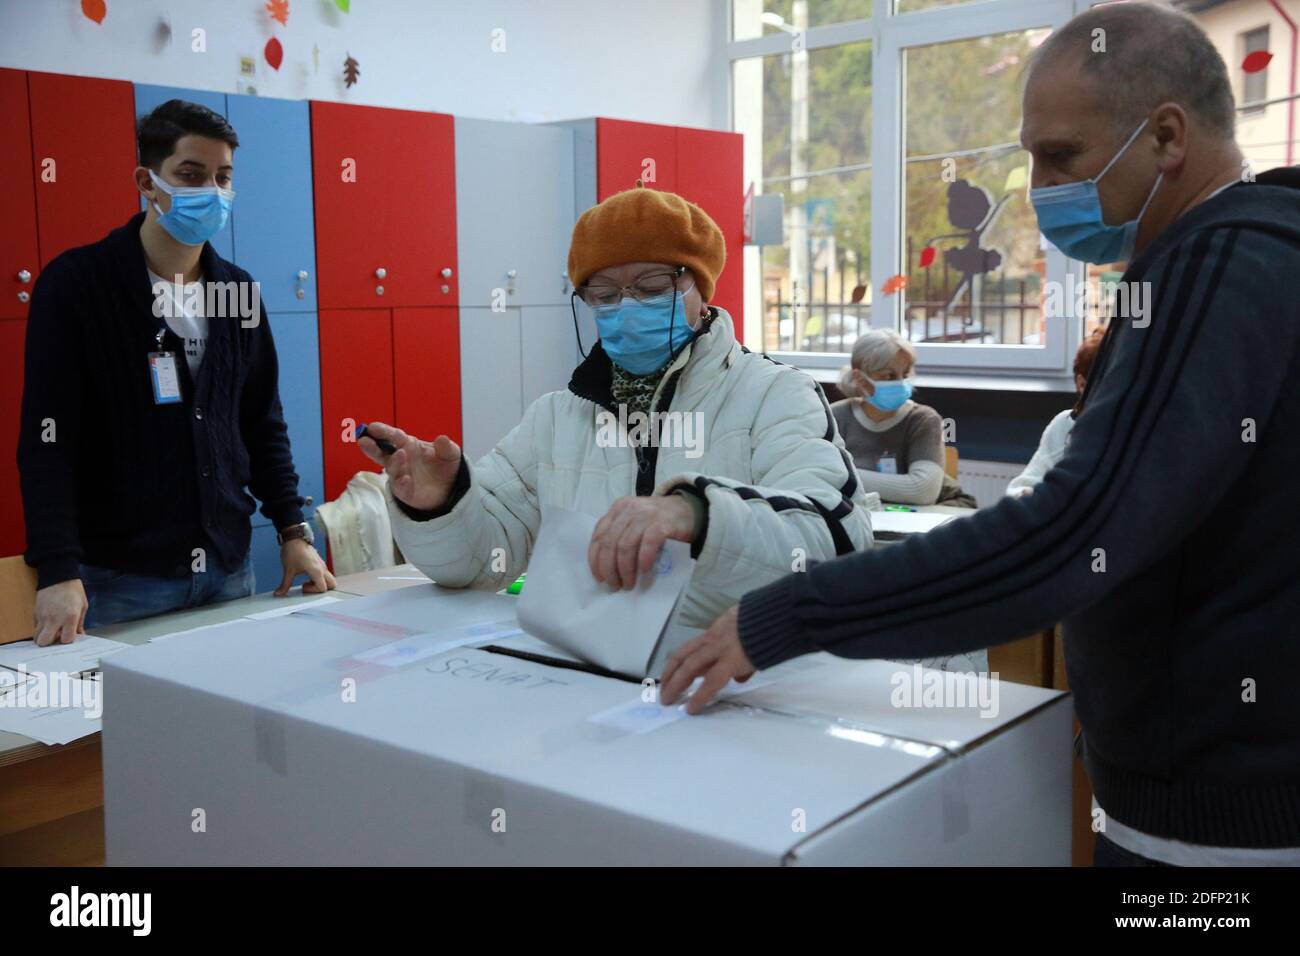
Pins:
x: 151, y: 403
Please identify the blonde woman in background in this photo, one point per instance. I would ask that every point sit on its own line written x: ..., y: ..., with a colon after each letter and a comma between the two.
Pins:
x: 896, y: 443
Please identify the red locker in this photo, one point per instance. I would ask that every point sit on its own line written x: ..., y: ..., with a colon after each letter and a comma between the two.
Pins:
x: 356, y: 382
x: 83, y: 155
x: 626, y: 152
x: 385, y: 187
x: 426, y: 372
x: 710, y: 173
x: 19, y: 256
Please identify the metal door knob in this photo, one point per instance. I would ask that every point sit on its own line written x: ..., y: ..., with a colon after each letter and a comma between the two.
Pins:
x: 379, y: 290
x: 381, y: 273
x: 446, y: 289
x: 446, y: 273
x: 24, y: 275
x: 302, y: 275
x: 24, y: 297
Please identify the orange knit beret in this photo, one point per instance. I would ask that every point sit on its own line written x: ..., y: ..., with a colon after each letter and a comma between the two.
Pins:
x: 647, y: 225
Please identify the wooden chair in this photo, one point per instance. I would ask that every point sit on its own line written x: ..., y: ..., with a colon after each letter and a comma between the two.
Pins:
x: 17, y: 599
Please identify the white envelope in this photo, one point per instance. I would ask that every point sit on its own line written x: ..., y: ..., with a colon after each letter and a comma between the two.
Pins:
x: 565, y: 606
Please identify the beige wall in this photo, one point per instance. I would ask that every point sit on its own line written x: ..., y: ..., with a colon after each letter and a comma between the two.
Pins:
x: 1262, y: 135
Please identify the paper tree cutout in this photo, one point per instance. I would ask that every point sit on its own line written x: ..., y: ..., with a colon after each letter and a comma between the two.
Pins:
x: 279, y: 11
x: 1253, y: 63
x: 351, y: 71
x: 274, y: 53
x: 94, y: 10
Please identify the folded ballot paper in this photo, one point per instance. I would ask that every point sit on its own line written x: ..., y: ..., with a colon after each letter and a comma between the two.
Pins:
x: 562, y: 604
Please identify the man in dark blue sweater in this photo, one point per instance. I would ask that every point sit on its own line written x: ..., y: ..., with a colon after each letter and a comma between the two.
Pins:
x: 151, y: 401
x: 1167, y: 540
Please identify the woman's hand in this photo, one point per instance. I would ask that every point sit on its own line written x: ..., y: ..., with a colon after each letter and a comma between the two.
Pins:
x: 420, y: 473
x: 627, y: 540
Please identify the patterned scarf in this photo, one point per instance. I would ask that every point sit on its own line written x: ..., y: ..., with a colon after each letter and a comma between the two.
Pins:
x: 635, y: 391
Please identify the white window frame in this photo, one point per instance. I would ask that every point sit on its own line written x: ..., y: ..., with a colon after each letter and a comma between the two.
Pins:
x: 1036, y: 367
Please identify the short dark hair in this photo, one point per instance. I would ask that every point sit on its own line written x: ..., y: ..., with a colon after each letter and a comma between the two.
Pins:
x: 1152, y: 55
x: 158, y: 132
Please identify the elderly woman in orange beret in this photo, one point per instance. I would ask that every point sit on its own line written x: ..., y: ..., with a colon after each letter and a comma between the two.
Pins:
x: 757, y: 481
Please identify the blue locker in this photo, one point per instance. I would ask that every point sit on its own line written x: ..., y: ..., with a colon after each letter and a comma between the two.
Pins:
x: 275, y: 231
x: 267, y: 570
x: 149, y: 97
x: 297, y: 347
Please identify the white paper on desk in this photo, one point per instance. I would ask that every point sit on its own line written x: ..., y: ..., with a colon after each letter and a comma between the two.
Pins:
x: 565, y: 606
x: 906, y: 522
x: 61, y: 719
x: 292, y: 608
x: 83, y: 654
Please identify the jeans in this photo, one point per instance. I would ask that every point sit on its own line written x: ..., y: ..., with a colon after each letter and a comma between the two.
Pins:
x: 1106, y: 852
x: 124, y: 596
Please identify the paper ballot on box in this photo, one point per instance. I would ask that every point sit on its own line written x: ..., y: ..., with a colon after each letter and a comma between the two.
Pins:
x: 565, y: 606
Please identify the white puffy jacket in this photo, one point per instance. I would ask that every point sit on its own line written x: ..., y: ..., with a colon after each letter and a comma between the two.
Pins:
x: 781, y: 489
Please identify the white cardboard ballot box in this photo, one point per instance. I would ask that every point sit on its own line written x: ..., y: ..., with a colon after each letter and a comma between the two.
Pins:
x: 360, y: 733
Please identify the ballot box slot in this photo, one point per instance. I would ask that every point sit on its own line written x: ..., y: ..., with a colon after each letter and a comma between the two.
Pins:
x: 559, y: 662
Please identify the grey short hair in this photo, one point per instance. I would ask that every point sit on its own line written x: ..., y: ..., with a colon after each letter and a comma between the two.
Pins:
x: 1153, y: 54
x: 872, y: 350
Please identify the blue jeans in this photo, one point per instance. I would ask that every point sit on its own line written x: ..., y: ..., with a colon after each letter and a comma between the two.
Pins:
x: 1106, y: 852
x: 124, y: 596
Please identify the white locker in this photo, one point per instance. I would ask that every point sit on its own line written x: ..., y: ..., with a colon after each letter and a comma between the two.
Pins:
x: 490, y: 376
x: 514, y: 212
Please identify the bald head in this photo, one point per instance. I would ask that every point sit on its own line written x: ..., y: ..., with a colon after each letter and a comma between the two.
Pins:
x: 1135, y: 56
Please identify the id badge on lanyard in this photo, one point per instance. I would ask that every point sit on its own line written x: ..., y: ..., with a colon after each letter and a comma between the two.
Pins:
x: 164, y: 380
x: 887, y: 465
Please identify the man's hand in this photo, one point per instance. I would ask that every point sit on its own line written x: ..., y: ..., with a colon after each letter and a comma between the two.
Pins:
x: 716, y: 655
x: 420, y: 473
x: 60, y: 613
x: 298, y: 557
x: 627, y: 540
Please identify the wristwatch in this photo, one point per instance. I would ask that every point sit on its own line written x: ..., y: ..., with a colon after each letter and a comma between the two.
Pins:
x: 295, y: 531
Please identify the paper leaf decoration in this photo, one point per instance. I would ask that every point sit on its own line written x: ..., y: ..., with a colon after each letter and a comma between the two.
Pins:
x: 894, y: 284
x: 274, y: 53
x: 279, y: 11
x: 94, y: 10
x: 351, y: 71
x: 342, y: 5
x: 1017, y: 179
x: 859, y: 291
x: 1253, y: 63
x: 927, y: 257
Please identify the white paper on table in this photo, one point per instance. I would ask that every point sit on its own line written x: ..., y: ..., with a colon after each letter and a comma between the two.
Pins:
x: 191, y: 630
x: 565, y: 606
x: 58, y: 722
x: 83, y: 654
x: 906, y: 522
x: 281, y: 611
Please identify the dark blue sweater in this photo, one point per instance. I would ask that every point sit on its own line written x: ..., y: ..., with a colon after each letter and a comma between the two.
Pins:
x: 129, y: 484
x: 1196, y: 520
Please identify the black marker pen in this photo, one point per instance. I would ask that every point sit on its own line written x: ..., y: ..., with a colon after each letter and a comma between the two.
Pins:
x: 384, y: 444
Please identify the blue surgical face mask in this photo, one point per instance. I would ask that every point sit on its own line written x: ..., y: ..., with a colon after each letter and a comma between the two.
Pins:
x: 641, y: 337
x: 197, y: 212
x: 889, y: 396
x: 1070, y: 217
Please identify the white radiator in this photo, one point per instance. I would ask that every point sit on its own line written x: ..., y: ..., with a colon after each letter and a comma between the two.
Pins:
x: 986, y: 480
